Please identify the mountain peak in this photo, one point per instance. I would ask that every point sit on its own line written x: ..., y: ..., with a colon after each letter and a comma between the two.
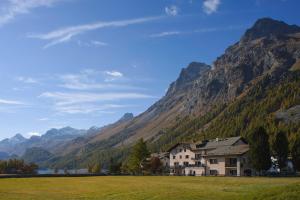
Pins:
x: 18, y: 136
x: 266, y: 27
x: 126, y: 117
x: 188, y: 74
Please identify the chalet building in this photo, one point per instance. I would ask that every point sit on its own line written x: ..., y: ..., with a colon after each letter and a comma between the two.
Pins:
x: 219, y: 157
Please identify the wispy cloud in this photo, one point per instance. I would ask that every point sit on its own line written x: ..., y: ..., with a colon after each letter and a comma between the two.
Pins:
x: 172, y: 10
x: 114, y: 73
x: 90, y: 79
x: 66, y: 34
x: 43, y: 119
x: 10, y: 102
x: 211, y: 6
x: 88, y: 108
x: 98, y: 43
x: 12, y: 8
x: 92, y: 43
x: 74, y: 103
x: 166, y: 33
x: 29, y: 80
x: 201, y: 30
x: 68, y: 98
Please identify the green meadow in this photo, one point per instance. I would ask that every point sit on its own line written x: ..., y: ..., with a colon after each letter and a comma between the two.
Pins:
x: 155, y: 187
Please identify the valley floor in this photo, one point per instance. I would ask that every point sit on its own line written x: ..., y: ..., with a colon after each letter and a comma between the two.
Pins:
x: 158, y: 188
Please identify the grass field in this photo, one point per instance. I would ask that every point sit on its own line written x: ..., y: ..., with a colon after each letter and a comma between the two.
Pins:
x: 170, y: 188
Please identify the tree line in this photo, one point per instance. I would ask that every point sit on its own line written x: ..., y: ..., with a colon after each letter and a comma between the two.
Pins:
x: 262, y: 148
x: 15, y: 166
x: 138, y: 162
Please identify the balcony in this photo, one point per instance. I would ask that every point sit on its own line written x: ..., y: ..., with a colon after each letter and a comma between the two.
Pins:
x: 184, y: 166
x: 231, y: 162
x: 230, y: 165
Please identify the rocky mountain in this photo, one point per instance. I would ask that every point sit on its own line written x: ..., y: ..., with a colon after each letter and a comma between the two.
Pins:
x: 267, y: 55
x: 8, y: 145
x: 18, y: 144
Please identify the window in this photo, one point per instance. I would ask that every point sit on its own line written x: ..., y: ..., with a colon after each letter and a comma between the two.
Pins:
x: 232, y: 161
x: 198, y: 163
x: 186, y: 164
x: 174, y: 157
x: 184, y: 150
x: 213, y: 161
x: 213, y: 172
x: 180, y: 156
x: 176, y: 163
x: 180, y: 150
x: 186, y: 156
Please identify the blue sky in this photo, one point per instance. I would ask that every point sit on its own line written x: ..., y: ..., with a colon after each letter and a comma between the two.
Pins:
x: 85, y: 63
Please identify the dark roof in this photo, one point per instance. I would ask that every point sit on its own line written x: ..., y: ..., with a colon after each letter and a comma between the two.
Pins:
x: 229, y: 150
x: 186, y: 145
x: 216, y: 143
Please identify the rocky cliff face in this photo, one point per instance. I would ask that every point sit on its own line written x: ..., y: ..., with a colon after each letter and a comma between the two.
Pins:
x: 269, y: 47
x: 267, y: 27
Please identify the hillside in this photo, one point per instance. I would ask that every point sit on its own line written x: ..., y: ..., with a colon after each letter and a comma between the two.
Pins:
x: 239, y: 91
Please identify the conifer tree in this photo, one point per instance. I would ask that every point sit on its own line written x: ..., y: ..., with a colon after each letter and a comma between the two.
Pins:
x: 259, y: 150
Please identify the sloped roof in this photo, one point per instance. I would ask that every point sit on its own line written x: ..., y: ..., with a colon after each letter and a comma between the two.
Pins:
x: 211, y: 144
x: 229, y: 150
x: 184, y: 144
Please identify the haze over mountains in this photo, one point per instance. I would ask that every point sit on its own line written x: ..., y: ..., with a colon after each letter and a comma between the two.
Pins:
x: 17, y: 145
x: 226, y: 99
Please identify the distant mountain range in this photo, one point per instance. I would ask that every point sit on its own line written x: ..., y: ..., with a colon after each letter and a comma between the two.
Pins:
x: 255, y: 82
x: 51, y: 140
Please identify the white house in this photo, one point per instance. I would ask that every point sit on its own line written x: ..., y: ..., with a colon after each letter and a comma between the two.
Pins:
x: 222, y: 157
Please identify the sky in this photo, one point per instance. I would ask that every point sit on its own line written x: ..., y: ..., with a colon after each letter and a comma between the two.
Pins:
x: 84, y: 63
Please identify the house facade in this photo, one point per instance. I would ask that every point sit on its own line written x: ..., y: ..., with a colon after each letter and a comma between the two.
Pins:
x: 219, y: 157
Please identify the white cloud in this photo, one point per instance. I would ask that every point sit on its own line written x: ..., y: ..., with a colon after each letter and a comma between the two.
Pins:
x: 114, y: 73
x: 66, y: 34
x: 11, y: 102
x: 201, y: 30
x: 13, y: 8
x: 172, y: 10
x: 88, y: 108
x: 90, y: 79
x: 92, y: 43
x: 44, y: 119
x: 166, y: 33
x: 74, y: 103
x: 113, y: 76
x: 26, y: 79
x: 98, y: 43
x: 34, y: 133
x: 211, y: 6
x: 68, y: 98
